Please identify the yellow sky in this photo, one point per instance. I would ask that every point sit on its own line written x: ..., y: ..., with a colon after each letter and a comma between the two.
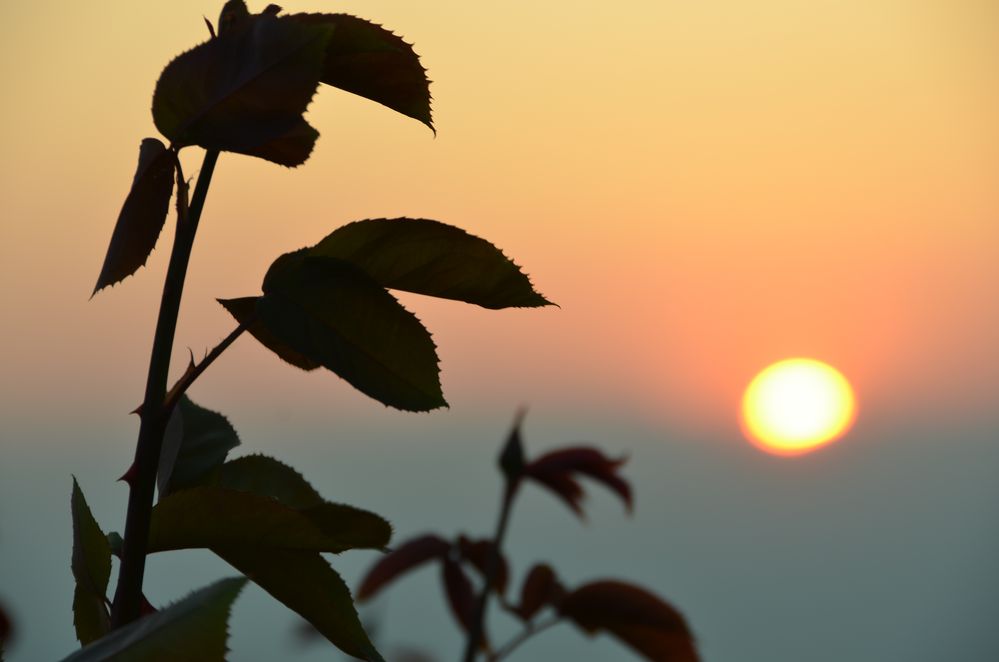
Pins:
x: 705, y: 187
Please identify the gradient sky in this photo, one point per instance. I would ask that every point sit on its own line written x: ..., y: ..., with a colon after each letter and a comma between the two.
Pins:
x: 704, y: 187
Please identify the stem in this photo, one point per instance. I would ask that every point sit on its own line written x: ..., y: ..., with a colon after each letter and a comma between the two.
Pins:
x: 128, y: 594
x: 529, y: 631
x: 492, y: 566
x: 195, y: 369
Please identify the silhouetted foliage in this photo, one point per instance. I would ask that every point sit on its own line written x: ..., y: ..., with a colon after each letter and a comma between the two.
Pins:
x: 633, y: 615
x: 246, y: 90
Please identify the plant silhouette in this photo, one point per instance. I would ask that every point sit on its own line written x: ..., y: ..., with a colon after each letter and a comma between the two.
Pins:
x: 246, y: 90
x: 642, y: 621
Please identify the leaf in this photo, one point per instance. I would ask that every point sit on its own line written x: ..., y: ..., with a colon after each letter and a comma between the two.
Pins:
x: 193, y: 629
x: 477, y: 553
x: 91, y: 566
x: 268, y: 477
x: 245, y: 91
x: 432, y: 258
x: 141, y: 218
x: 338, y: 317
x: 6, y: 629
x: 366, y: 59
x: 638, y: 618
x: 215, y: 517
x: 555, y: 471
x: 511, y: 459
x: 196, y: 442
x: 407, y: 556
x: 306, y: 584
x: 460, y: 594
x: 244, y: 310
x: 540, y: 588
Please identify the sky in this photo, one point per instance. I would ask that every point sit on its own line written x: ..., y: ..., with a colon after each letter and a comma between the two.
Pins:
x: 704, y: 188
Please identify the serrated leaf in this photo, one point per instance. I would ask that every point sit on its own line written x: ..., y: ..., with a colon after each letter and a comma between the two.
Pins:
x: 196, y: 442
x: 337, y: 316
x: 193, y: 629
x: 404, y: 558
x: 244, y: 310
x: 266, y: 476
x: 215, y: 517
x: 91, y: 565
x: 638, y: 618
x: 432, y: 258
x: 142, y: 216
x: 305, y: 583
x: 245, y: 91
x: 366, y: 59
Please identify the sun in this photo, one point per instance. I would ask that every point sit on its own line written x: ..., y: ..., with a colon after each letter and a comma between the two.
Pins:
x: 797, y: 405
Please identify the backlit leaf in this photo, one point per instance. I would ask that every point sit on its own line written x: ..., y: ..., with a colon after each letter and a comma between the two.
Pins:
x: 266, y: 476
x: 460, y: 594
x: 196, y: 442
x: 305, y: 583
x: 194, y: 629
x: 540, y: 588
x: 337, y: 316
x: 214, y: 517
x: 245, y: 91
x: 141, y: 218
x: 366, y: 59
x: 405, y: 557
x: 638, y: 618
x: 244, y: 310
x: 477, y: 552
x: 557, y: 471
x: 432, y: 258
x: 91, y: 566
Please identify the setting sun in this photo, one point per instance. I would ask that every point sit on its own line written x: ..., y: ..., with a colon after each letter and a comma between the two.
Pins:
x: 797, y: 405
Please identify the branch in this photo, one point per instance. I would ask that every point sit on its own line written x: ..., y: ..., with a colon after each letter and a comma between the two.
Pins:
x: 530, y: 630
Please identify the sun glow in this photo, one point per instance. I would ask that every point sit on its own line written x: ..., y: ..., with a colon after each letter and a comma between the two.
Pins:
x: 797, y: 405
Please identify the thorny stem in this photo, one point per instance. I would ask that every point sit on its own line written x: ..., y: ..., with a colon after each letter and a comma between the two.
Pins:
x: 530, y: 630
x: 128, y: 595
x: 195, y: 369
x: 492, y: 567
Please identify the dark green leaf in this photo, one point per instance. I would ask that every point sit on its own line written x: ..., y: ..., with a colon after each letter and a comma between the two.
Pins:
x: 196, y: 443
x: 245, y: 312
x: 215, y: 517
x: 193, y: 629
x: 91, y: 568
x: 429, y: 257
x: 245, y: 90
x: 142, y: 216
x: 306, y: 584
x: 333, y: 313
x: 268, y: 477
x: 366, y: 59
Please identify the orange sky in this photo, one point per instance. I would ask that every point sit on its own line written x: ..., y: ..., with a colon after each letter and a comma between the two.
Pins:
x: 705, y: 187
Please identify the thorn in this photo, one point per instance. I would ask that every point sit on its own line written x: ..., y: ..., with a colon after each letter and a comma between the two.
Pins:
x: 211, y: 28
x: 129, y: 476
x: 137, y: 411
x: 190, y: 364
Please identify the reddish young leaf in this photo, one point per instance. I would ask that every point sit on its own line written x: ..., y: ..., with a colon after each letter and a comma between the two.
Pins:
x: 402, y: 559
x: 638, y: 618
x: 6, y: 628
x: 555, y: 471
x: 477, y: 553
x: 142, y: 216
x: 541, y: 588
x: 460, y: 594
